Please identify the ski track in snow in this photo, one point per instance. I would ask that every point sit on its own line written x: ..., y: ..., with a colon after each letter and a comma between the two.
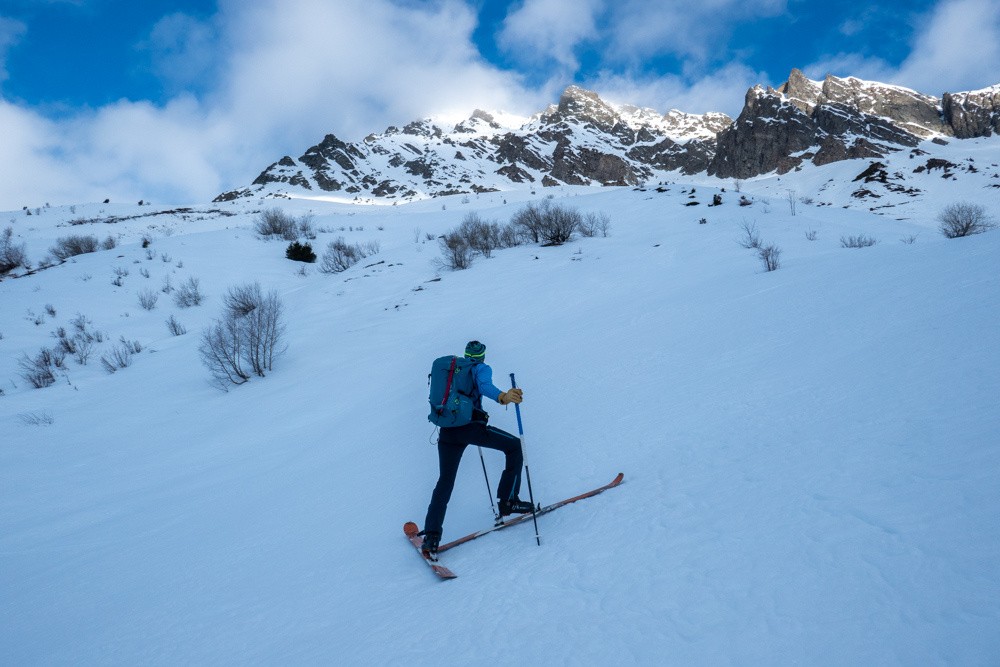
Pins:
x: 810, y: 455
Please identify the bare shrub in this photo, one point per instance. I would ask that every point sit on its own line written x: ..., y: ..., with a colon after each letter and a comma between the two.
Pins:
x: 859, y: 241
x: 70, y: 246
x: 559, y: 223
x: 175, y: 327
x: 811, y: 235
x: 483, y: 236
x: 341, y: 255
x: 750, y: 238
x: 275, y: 222
x: 37, y: 370
x: 117, y: 358
x: 188, y: 294
x: 246, y: 339
x: 148, y: 298
x: 306, y: 227
x: 770, y: 257
x: 790, y: 197
x: 456, y: 250
x: 110, y: 243
x: 964, y: 219
x: 547, y: 223
x: 529, y: 220
x: 594, y: 224
x: 11, y: 255
x: 36, y: 418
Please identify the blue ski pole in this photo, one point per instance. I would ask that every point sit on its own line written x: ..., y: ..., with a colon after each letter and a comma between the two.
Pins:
x: 527, y: 471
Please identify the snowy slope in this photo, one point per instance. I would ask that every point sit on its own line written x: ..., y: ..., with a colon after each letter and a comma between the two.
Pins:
x: 810, y: 455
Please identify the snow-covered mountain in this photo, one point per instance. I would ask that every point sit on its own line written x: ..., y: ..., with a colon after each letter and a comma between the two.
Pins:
x: 585, y: 140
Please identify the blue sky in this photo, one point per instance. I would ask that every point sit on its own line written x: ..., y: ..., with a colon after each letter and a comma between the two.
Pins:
x: 182, y: 99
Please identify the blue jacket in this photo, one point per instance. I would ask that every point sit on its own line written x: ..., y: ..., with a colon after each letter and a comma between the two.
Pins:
x: 483, y: 375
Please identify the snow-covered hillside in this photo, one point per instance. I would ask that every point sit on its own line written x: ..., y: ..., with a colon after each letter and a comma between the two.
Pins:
x: 810, y: 455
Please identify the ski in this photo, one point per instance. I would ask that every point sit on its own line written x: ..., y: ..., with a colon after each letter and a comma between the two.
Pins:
x: 527, y: 517
x: 417, y: 540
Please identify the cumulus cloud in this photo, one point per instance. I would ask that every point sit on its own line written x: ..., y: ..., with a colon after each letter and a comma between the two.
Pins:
x: 10, y: 32
x: 541, y: 30
x: 958, y: 45
x: 282, y: 75
x: 721, y: 90
x: 640, y: 29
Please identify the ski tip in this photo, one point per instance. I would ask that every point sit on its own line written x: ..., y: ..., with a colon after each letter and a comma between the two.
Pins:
x: 410, y: 528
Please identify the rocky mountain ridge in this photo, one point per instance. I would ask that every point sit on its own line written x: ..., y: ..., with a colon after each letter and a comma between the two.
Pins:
x: 585, y: 140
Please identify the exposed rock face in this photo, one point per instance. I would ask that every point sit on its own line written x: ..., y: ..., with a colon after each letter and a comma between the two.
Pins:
x: 908, y: 110
x: 973, y: 114
x: 836, y: 119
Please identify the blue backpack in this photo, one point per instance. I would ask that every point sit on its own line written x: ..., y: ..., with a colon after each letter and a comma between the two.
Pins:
x: 453, y: 389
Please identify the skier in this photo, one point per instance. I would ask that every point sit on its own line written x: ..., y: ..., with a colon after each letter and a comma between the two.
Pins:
x: 453, y: 441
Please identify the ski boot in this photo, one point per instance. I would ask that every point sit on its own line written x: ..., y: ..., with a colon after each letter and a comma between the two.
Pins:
x: 514, y: 506
x: 430, y: 545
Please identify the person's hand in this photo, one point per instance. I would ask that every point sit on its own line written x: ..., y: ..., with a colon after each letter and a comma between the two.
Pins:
x: 511, y: 396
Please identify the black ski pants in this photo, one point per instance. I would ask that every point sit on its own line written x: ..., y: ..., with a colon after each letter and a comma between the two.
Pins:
x: 451, y: 445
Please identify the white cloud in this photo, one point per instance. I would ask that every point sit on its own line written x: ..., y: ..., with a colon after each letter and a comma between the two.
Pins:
x: 284, y: 74
x: 181, y: 50
x: 954, y: 47
x: 11, y: 32
x: 958, y: 46
x: 694, y: 31
x: 722, y: 90
x: 539, y: 30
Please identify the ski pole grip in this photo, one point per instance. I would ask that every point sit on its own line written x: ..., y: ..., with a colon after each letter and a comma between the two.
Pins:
x: 517, y: 407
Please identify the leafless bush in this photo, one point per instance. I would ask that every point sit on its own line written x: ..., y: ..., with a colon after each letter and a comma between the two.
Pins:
x: 811, y: 235
x: 456, y: 250
x: 188, y: 294
x: 175, y: 327
x: 37, y: 370
x: 859, y: 241
x: 306, y: 228
x: 341, y: 255
x: 275, y: 222
x: 593, y: 224
x: 148, y: 298
x: 83, y: 347
x: 790, y: 197
x: 750, y: 237
x: 964, y: 219
x: 36, y: 418
x: 110, y: 243
x: 116, y: 359
x: 529, y: 220
x: 770, y: 256
x: 247, y: 337
x: 483, y: 236
x: 70, y: 246
x: 559, y: 223
x: 547, y: 223
x: 11, y: 255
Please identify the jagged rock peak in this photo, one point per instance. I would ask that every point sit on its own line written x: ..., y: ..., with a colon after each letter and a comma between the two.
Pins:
x: 974, y: 113
x: 914, y: 112
x: 587, y: 106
